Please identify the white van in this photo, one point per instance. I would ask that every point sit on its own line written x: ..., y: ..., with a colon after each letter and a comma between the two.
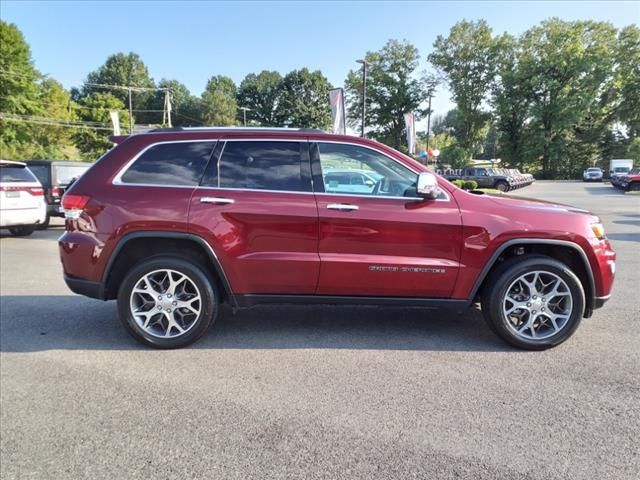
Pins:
x: 22, y: 204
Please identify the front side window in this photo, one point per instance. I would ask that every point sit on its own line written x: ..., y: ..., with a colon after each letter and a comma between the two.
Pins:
x: 170, y: 164
x: 261, y: 165
x: 360, y: 170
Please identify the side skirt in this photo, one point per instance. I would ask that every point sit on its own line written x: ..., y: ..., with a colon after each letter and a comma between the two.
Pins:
x: 247, y: 301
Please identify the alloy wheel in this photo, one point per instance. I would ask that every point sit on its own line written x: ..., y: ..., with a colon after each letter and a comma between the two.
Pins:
x: 165, y: 303
x: 537, y: 305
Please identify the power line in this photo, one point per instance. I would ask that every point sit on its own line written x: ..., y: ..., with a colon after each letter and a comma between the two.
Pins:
x: 53, y: 122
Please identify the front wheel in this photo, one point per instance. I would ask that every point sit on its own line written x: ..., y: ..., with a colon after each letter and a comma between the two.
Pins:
x: 533, y: 302
x: 502, y: 186
x: 167, y: 302
x: 23, y: 231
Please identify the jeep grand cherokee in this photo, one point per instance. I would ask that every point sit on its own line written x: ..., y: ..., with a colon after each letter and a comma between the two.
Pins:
x: 173, y: 223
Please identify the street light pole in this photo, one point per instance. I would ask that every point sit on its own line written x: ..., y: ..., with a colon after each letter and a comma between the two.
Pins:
x: 365, y: 64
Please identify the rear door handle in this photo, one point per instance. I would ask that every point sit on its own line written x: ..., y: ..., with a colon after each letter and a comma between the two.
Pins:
x: 343, y: 207
x: 217, y: 200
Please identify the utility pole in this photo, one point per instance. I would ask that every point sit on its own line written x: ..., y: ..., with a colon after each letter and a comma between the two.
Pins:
x: 244, y: 114
x: 428, y: 125
x: 130, y: 113
x: 365, y: 64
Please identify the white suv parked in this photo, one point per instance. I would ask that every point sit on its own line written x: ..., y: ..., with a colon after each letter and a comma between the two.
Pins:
x: 22, y: 204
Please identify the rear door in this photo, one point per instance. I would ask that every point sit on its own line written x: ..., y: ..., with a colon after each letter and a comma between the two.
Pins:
x: 386, y: 242
x: 256, y: 209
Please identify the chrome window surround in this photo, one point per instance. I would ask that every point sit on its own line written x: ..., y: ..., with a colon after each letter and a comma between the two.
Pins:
x: 118, y: 178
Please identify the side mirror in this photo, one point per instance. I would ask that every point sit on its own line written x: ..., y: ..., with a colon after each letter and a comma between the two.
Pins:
x: 369, y: 183
x: 427, y: 186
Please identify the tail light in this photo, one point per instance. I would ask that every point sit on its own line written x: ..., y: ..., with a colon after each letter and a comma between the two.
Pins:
x: 73, y: 205
x: 35, y: 191
x: 55, y: 192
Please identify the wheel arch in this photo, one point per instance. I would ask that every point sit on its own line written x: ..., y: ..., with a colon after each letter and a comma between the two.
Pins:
x: 568, y: 252
x: 130, y: 249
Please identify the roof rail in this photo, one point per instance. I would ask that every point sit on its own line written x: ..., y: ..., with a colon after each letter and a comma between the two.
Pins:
x: 237, y: 129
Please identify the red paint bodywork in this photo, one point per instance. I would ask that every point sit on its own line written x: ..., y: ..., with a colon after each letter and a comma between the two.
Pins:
x: 290, y: 243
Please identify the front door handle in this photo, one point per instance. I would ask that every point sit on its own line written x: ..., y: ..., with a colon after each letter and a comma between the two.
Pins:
x: 343, y: 207
x: 217, y: 200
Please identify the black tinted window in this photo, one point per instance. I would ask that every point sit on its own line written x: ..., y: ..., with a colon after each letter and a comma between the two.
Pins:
x: 42, y: 172
x: 15, y: 173
x: 170, y: 164
x: 263, y: 166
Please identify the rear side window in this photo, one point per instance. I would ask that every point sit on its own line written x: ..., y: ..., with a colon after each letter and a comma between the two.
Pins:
x: 42, y: 172
x: 64, y: 174
x: 262, y: 166
x: 16, y: 173
x: 170, y: 164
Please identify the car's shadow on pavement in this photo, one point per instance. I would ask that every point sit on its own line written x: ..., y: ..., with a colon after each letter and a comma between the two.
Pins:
x: 603, y: 191
x: 40, y: 323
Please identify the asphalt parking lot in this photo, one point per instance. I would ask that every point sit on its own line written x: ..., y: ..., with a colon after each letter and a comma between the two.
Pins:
x: 317, y: 392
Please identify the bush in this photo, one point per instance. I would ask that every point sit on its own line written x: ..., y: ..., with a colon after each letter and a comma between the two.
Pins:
x: 459, y: 183
x: 470, y: 185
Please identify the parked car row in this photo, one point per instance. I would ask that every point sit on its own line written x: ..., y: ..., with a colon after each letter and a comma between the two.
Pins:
x: 502, y: 179
x: 628, y: 182
x: 30, y: 193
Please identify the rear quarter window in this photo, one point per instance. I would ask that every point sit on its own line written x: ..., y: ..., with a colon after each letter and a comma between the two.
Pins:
x: 170, y: 164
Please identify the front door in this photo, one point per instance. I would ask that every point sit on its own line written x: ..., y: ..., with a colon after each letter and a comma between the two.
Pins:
x: 381, y: 240
x: 256, y: 209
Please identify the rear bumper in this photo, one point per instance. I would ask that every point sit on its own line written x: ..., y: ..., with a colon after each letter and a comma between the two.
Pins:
x: 23, y: 216
x: 87, y: 288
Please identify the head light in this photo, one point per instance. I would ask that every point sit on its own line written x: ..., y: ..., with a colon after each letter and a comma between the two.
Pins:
x: 598, y: 230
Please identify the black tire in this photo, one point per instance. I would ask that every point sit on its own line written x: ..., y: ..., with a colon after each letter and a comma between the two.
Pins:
x: 502, y: 186
x: 23, y: 231
x: 44, y: 225
x: 204, y: 283
x: 501, y: 278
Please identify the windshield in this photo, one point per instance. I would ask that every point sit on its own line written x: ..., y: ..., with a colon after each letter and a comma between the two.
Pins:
x: 593, y: 169
x: 15, y: 173
x: 621, y: 169
x: 65, y: 173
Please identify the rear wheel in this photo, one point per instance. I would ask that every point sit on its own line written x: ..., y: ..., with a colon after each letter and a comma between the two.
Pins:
x: 533, y: 302
x: 167, y: 302
x: 502, y: 186
x: 23, y: 231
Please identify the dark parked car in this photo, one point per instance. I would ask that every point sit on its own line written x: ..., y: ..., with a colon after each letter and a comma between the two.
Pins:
x: 497, y: 178
x: 55, y: 176
x: 173, y: 223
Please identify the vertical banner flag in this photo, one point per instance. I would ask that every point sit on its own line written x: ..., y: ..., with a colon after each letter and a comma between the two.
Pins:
x: 410, y: 123
x: 336, y: 98
x: 115, y: 120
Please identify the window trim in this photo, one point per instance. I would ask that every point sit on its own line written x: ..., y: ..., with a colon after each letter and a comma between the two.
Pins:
x: 117, y: 180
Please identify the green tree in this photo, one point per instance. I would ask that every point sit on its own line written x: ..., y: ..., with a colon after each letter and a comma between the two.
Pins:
x: 93, y: 141
x: 569, y: 65
x: 627, y: 78
x: 393, y: 89
x: 466, y: 58
x: 511, y: 101
x: 305, y: 100
x: 19, y: 92
x: 219, y: 105
x: 125, y: 70
x: 262, y: 94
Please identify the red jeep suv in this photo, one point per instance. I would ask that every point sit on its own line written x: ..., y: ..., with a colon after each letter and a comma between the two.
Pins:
x: 172, y: 223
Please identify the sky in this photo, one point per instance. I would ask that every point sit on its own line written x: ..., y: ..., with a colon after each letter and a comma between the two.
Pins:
x: 193, y: 40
